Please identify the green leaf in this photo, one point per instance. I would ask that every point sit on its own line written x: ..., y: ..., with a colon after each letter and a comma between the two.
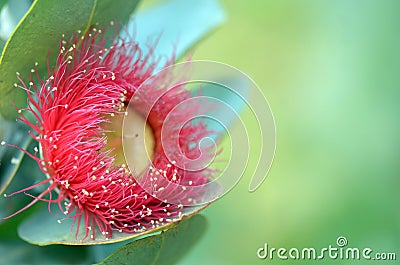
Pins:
x: 162, y: 249
x: 2, y: 43
x: 8, y: 228
x: 14, y: 252
x: 2, y: 3
x: 10, y: 158
x: 11, y: 14
x: 39, y: 32
x: 107, y: 10
x: 31, y: 230
x: 181, y: 24
x: 28, y: 174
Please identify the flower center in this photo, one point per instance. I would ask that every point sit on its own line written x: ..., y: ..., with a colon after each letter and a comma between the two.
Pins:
x: 139, y: 141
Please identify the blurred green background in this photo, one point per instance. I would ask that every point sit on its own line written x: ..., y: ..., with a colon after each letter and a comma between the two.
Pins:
x: 331, y: 73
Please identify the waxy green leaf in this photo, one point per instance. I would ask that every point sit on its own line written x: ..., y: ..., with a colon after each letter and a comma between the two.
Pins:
x: 11, y: 14
x: 10, y: 158
x: 2, y: 3
x: 162, y: 249
x: 2, y: 43
x: 14, y: 252
x: 39, y: 32
x: 179, y: 24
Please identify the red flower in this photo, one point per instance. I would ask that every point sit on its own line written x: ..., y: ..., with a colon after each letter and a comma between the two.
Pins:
x: 76, y: 109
